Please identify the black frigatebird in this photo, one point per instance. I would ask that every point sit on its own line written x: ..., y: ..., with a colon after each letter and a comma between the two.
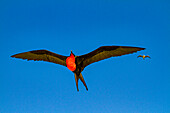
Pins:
x: 77, y: 63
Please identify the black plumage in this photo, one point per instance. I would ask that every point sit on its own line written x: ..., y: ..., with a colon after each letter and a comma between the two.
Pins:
x: 81, y: 61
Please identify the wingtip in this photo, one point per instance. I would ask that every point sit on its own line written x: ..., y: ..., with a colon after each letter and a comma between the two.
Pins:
x: 12, y: 56
x: 143, y: 48
x: 87, y: 89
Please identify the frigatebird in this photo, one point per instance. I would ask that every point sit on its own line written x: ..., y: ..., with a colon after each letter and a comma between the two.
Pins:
x: 77, y: 63
x: 144, y: 56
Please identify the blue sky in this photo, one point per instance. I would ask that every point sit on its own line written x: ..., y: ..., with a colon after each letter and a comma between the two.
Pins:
x: 117, y: 85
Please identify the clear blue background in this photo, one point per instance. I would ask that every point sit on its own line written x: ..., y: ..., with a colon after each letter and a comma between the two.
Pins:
x: 117, y: 85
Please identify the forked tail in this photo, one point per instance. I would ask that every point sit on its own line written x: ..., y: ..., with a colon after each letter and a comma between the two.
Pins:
x: 81, y: 78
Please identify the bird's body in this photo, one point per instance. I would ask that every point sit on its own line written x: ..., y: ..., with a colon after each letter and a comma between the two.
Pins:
x: 77, y: 63
x: 144, y: 56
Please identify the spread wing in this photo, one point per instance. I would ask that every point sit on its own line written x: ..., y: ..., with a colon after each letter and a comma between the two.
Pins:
x: 139, y: 56
x: 148, y: 56
x: 106, y: 52
x: 42, y: 55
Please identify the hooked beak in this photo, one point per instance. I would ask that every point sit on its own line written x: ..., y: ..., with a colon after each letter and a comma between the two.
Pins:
x: 72, y: 53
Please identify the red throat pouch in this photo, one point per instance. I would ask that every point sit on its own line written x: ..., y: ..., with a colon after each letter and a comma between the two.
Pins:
x: 70, y: 62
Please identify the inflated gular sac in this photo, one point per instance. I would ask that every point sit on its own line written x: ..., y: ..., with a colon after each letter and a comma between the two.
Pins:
x: 77, y: 63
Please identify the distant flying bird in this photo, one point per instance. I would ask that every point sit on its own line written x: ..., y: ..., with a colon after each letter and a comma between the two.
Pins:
x: 143, y: 56
x: 77, y: 63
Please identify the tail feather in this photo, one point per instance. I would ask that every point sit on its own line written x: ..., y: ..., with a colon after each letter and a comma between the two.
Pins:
x: 76, y: 79
x: 82, y: 79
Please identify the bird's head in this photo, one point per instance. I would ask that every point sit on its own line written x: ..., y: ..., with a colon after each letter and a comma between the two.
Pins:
x: 72, y: 54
